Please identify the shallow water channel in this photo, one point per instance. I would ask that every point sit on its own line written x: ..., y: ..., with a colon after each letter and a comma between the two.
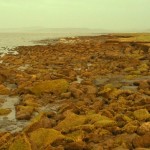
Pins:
x: 9, y: 122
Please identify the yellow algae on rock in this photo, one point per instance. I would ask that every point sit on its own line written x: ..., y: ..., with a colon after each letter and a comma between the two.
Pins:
x: 4, y: 111
x: 92, y: 118
x: 109, y: 91
x: 101, y: 121
x: 130, y: 128
x: 131, y: 76
x: 114, y: 93
x: 42, y: 137
x: 122, y: 117
x: 85, y: 127
x: 105, y: 123
x: 141, y: 114
x: 143, y: 68
x: 20, y: 143
x: 71, y: 121
x: 128, y: 69
x: 136, y: 72
x: 107, y: 88
x: 126, y: 118
x: 76, y: 136
x: 104, y: 132
x: 50, y: 86
x: 40, y: 121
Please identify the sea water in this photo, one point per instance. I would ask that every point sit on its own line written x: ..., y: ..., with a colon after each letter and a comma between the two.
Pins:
x: 8, y: 41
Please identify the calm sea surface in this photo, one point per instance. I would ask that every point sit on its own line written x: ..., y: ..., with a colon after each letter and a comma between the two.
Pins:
x: 8, y: 41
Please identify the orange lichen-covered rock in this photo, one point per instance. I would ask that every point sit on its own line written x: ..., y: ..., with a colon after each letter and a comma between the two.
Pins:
x: 4, y: 90
x: 144, y: 128
x: 90, y: 89
x: 2, y: 101
x: 143, y: 141
x: 24, y: 112
x: 42, y: 137
x: 66, y: 95
x: 4, y: 139
x: 50, y: 86
x: 2, y: 78
x: 76, y: 146
x: 30, y: 100
x: 75, y: 91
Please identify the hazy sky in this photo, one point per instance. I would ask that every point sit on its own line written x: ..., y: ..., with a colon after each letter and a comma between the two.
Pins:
x: 103, y: 14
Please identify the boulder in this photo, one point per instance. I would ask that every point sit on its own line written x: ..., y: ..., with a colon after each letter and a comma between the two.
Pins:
x: 71, y: 121
x: 40, y: 121
x: 142, y: 142
x: 76, y: 146
x: 144, y: 128
x: 4, y: 90
x: 2, y: 78
x: 50, y: 86
x: 20, y: 142
x: 66, y: 95
x: 4, y: 138
x: 141, y: 114
x: 42, y: 138
x: 24, y: 112
x: 100, y: 121
x: 90, y: 89
x: 130, y: 128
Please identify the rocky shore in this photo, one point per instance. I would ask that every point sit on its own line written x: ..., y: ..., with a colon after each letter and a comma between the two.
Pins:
x: 81, y: 93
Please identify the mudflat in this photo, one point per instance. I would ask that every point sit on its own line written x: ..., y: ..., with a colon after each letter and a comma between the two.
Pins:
x: 80, y: 93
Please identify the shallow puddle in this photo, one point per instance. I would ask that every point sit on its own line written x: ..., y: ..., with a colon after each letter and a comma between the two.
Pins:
x: 9, y: 122
x: 131, y: 88
x: 24, y: 67
x: 10, y: 102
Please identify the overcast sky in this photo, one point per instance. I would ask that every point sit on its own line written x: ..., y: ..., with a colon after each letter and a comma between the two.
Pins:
x: 103, y: 14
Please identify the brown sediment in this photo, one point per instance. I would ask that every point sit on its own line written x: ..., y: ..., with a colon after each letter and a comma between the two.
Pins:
x: 78, y: 94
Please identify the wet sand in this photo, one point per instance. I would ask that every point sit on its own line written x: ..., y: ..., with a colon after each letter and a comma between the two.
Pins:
x: 82, y: 93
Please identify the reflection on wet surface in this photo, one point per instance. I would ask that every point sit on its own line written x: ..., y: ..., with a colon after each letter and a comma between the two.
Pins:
x: 24, y: 67
x: 9, y: 122
x: 10, y: 102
